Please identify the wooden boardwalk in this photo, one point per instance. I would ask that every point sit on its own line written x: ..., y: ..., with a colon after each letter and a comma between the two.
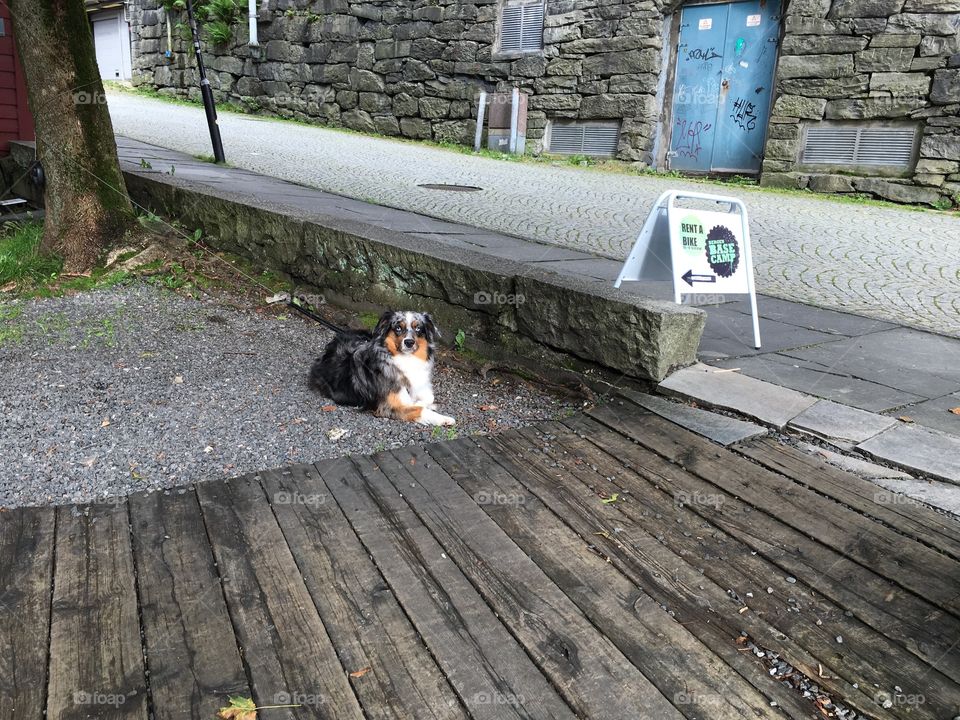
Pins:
x: 612, y: 566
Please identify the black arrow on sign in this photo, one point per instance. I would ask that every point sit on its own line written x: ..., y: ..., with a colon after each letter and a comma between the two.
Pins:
x: 691, y: 278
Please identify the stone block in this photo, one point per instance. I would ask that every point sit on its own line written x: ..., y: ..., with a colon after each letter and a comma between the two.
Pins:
x: 614, y: 106
x: 936, y: 45
x: 887, y: 40
x: 405, y: 106
x: 869, y: 108
x: 815, y: 66
x: 865, y: 8
x: 814, y: 8
x: 621, y: 63
x: 946, y: 87
x: 386, y: 125
x: 786, y: 180
x: 782, y: 149
x: 434, y: 107
x: 930, y: 165
x: 564, y: 66
x: 924, y: 23
x: 454, y: 131
x: 929, y: 179
x: 830, y: 88
x: 561, y: 34
x: 347, y: 99
x: 803, y: 25
x: 358, y: 120
x: 417, y: 128
x: 831, y: 183
x: 900, y: 83
x: 554, y: 102
x: 935, y: 6
x: 895, y: 59
x: 799, y: 107
x: 414, y: 70
x: 529, y: 66
x: 897, y: 192
x: 819, y: 44
x: 940, y: 147
x: 375, y: 102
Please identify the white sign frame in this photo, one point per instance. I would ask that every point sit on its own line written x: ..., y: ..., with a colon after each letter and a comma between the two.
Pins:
x: 648, y: 247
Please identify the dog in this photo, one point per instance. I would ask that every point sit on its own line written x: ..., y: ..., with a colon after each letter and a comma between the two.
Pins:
x: 388, y: 371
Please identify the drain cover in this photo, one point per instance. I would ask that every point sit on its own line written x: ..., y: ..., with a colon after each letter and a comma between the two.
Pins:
x: 455, y: 188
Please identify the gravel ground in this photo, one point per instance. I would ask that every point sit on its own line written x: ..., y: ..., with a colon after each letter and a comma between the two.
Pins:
x: 133, y: 388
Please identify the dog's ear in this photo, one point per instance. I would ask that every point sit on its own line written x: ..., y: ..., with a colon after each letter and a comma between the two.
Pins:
x: 430, y: 328
x: 383, y: 325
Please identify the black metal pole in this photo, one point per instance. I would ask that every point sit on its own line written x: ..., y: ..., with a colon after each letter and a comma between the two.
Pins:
x: 205, y: 90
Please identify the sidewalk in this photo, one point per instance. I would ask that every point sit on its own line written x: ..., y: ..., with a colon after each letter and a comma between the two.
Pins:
x: 894, y: 264
x: 891, y: 387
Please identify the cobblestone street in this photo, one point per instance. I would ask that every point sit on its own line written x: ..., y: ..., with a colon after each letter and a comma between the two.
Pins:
x: 892, y: 264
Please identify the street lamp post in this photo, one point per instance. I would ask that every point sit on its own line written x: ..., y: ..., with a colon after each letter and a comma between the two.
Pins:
x: 205, y: 90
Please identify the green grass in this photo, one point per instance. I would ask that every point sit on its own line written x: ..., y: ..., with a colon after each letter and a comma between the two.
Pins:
x: 20, y: 258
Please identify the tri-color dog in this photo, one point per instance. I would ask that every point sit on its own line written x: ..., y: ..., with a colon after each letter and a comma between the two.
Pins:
x: 388, y: 370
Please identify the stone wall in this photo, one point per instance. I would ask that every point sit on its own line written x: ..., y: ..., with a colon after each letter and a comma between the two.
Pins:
x: 415, y: 67
x: 854, y: 61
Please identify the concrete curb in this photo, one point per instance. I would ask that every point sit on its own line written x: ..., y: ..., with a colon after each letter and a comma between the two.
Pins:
x: 561, y: 321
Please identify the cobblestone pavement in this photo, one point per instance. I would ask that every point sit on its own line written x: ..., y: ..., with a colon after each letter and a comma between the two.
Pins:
x: 893, y: 264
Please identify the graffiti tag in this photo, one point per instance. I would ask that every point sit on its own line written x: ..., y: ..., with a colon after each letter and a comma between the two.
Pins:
x: 744, y: 114
x: 689, y: 142
x: 703, y: 54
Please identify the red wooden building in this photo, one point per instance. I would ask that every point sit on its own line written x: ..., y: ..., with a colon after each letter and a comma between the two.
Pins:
x: 16, y: 122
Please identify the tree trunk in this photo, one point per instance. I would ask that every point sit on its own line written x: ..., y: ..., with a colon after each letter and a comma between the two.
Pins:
x: 86, y: 202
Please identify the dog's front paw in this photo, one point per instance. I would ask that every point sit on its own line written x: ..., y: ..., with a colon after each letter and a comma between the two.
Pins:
x: 430, y: 417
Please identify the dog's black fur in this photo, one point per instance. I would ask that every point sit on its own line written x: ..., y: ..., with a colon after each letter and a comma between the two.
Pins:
x: 356, y: 367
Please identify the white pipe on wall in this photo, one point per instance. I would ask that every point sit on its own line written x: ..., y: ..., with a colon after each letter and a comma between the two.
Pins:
x: 514, y: 119
x: 481, y: 109
x: 252, y: 16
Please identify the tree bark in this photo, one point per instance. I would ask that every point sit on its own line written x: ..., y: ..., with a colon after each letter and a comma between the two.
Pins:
x: 86, y: 201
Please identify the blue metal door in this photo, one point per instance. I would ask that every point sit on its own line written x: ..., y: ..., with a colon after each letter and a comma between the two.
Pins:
x: 721, y: 103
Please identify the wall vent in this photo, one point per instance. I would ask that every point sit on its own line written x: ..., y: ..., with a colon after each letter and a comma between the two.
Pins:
x: 521, y: 26
x: 584, y: 138
x: 859, y: 145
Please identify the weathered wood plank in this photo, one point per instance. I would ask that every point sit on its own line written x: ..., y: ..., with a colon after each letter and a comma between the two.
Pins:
x: 677, y: 663
x: 26, y: 580
x: 96, y: 659
x: 191, y: 649
x: 363, y: 618
x: 876, y: 547
x: 555, y: 632
x: 676, y: 582
x: 920, y: 627
x: 866, y: 658
x: 490, y: 671
x: 285, y: 645
x: 911, y: 518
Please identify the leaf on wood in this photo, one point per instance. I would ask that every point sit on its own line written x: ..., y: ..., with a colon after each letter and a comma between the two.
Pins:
x: 105, y: 423
x: 612, y: 499
x: 905, y: 418
x: 360, y: 673
x: 240, y: 708
x: 955, y: 411
x: 328, y: 408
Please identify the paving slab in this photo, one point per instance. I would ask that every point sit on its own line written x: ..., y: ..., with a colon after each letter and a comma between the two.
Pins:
x: 921, y: 363
x: 814, y: 318
x: 865, y: 469
x: 785, y: 371
x: 917, y: 449
x: 935, y: 413
x: 766, y: 402
x: 729, y: 333
x: 719, y: 428
x: 833, y: 421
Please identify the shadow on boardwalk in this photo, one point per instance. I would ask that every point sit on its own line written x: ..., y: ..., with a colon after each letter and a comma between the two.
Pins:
x: 612, y: 566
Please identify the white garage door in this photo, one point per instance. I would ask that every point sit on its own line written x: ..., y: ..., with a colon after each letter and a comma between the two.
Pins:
x: 111, y: 37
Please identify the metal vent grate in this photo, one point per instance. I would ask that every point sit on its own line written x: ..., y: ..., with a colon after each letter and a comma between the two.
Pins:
x: 521, y: 26
x: 859, y: 145
x: 573, y: 138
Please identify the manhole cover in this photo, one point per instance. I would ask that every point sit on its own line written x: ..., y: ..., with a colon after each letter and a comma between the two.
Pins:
x: 455, y: 188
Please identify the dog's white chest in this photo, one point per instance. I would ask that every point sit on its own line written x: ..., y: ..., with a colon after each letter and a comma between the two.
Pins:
x: 418, y: 375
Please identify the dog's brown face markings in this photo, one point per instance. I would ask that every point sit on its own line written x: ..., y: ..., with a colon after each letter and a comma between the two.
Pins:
x: 401, y: 331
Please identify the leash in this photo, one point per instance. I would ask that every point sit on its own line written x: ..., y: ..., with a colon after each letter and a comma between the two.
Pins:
x: 303, y: 307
